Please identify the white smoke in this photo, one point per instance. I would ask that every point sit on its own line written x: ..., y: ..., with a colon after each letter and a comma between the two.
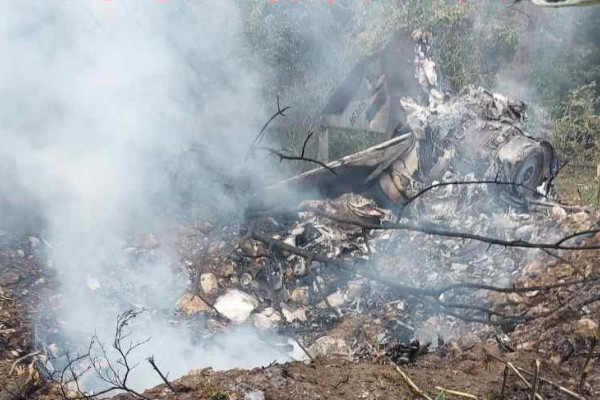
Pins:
x: 96, y: 98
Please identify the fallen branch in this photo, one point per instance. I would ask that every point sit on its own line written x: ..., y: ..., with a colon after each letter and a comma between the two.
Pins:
x: 456, y: 393
x: 429, y: 188
x: 433, y: 229
x: 434, y: 293
x: 504, y: 377
x: 554, y: 385
x: 18, y: 360
x: 320, y: 289
x: 304, y: 349
x: 411, y: 385
x: 522, y: 378
x: 536, y: 380
x: 584, y: 371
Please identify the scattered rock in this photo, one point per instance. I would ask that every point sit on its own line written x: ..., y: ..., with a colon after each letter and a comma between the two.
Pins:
x: 209, y: 283
x: 10, y: 278
x: 525, y: 233
x: 34, y: 242
x: 586, y: 327
x: 580, y: 220
x: 291, y: 315
x: 432, y: 277
x: 267, y: 319
x: 528, y: 346
x: 355, y: 288
x: 236, y: 305
x: 246, y: 279
x: 300, y: 267
x: 54, y: 350
x: 327, y: 345
x: 558, y: 212
x: 336, y: 300
x: 300, y: 295
x: 226, y: 270
x: 533, y: 269
x: 458, y: 267
x: 255, y: 395
x: 191, y: 305
x: 516, y: 298
x: 277, y: 282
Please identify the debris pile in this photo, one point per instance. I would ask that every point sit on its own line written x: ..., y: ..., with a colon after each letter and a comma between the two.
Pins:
x: 335, y: 311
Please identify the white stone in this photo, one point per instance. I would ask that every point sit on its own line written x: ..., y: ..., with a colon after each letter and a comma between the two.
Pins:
x: 236, y: 305
x: 336, y: 300
x: 456, y: 267
x: 246, y: 279
x: 267, y: 319
x: 255, y: 395
x: 34, y: 242
x: 291, y: 315
x: 558, y: 212
x: 327, y: 345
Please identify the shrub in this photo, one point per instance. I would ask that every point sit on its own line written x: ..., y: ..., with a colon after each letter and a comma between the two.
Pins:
x: 577, y: 131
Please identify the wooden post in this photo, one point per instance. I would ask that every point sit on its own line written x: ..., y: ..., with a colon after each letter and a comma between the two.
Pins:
x: 323, y: 150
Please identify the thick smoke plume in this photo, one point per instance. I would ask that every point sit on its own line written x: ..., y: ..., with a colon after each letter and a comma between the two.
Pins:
x: 99, y: 99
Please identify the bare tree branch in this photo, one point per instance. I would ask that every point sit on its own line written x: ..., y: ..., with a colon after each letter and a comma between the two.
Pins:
x: 282, y: 156
x: 280, y: 112
x: 162, y: 376
x: 99, y: 363
x: 433, y: 229
x: 427, y: 189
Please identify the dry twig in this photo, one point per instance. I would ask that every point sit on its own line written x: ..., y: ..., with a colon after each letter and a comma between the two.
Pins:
x: 562, y: 389
x: 584, y: 371
x: 456, y: 393
x: 282, y: 156
x: 159, y: 372
x: 522, y: 378
x: 536, y: 381
x: 411, y: 385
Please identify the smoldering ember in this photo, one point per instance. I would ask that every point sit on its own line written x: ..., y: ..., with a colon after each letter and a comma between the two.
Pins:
x: 300, y: 200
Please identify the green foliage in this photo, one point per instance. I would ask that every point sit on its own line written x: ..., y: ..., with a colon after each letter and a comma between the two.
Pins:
x: 567, y: 55
x: 469, y: 47
x: 307, y: 47
x: 577, y: 131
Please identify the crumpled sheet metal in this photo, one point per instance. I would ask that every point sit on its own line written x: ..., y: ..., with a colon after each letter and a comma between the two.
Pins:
x: 476, y: 132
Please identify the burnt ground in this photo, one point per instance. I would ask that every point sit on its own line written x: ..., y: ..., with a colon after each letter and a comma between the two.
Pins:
x: 561, y: 343
x: 470, y: 364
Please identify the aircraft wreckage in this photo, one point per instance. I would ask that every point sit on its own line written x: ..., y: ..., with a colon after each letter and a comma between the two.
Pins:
x: 475, y: 134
